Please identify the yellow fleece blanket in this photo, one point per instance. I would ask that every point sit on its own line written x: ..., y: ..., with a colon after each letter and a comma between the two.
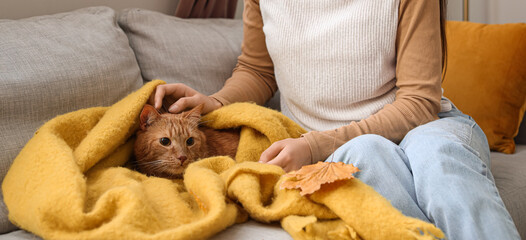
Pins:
x: 69, y: 183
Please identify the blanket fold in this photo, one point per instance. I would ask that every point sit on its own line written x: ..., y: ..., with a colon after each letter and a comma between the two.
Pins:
x: 70, y: 182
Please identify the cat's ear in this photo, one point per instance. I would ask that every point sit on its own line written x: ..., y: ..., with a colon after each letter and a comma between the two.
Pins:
x: 194, y: 113
x: 148, y: 116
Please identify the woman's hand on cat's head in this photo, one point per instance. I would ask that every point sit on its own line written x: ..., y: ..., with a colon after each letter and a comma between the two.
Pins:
x: 290, y: 154
x: 185, y: 98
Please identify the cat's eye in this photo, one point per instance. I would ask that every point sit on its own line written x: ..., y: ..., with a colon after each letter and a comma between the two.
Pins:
x: 190, y: 141
x: 165, y: 141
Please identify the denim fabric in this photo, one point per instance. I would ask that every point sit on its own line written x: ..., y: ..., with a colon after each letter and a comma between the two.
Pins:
x: 439, y: 173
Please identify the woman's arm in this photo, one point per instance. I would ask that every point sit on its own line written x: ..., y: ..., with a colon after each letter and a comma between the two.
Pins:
x: 418, y: 72
x: 253, y: 78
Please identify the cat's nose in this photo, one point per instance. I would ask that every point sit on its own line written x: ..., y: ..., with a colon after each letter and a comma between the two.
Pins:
x: 182, y: 159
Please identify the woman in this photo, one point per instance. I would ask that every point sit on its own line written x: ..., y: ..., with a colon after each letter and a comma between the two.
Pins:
x: 364, y: 77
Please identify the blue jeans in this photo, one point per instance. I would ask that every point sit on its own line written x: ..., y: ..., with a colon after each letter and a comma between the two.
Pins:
x: 439, y: 173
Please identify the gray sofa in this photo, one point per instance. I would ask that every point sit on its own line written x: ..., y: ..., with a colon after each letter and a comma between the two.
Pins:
x: 50, y: 65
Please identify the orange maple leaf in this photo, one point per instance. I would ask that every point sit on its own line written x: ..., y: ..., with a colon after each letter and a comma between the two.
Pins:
x: 310, y: 178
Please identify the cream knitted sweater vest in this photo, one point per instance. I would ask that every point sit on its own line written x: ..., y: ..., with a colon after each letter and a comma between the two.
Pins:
x: 334, y: 60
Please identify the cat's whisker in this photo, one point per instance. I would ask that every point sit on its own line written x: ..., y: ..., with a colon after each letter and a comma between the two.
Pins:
x: 202, y: 122
x: 155, y: 162
x: 148, y: 162
x: 155, y: 168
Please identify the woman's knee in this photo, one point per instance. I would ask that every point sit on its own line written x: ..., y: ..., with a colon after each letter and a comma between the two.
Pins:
x: 457, y: 130
x: 366, y: 149
x: 365, y: 145
x: 436, y: 150
x: 442, y: 140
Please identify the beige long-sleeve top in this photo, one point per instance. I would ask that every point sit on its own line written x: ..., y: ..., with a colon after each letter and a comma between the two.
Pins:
x: 418, y: 74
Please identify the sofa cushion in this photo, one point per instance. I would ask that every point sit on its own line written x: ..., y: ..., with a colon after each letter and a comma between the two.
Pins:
x: 200, y: 53
x: 54, y: 64
x: 509, y: 173
x: 486, y: 77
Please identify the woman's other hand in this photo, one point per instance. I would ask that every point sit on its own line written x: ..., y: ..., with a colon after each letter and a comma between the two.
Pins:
x: 290, y: 154
x: 185, y: 98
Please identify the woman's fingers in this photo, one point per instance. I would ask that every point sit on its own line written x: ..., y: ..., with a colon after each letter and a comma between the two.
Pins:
x: 177, y: 90
x: 271, y: 152
x: 156, y: 99
x: 185, y: 98
x: 290, y: 154
x: 185, y: 103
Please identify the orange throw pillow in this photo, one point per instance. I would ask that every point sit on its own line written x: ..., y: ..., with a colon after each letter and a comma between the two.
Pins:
x: 486, y: 77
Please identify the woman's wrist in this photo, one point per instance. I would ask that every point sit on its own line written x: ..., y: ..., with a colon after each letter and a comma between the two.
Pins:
x: 216, y: 104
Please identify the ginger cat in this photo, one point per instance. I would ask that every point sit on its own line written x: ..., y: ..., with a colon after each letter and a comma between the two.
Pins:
x: 167, y: 143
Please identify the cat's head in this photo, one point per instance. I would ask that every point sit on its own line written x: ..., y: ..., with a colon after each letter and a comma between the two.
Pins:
x: 167, y: 143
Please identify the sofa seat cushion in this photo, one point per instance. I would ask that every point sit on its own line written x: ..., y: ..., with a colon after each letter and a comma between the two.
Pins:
x: 53, y: 64
x: 509, y: 171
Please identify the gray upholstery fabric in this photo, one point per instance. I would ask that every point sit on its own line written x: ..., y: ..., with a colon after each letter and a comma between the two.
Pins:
x: 54, y: 64
x: 200, y: 53
x: 20, y: 235
x: 509, y: 171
